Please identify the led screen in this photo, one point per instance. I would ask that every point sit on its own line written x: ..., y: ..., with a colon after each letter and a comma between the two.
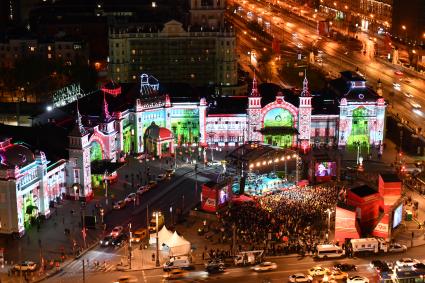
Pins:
x: 398, y: 215
x: 323, y: 169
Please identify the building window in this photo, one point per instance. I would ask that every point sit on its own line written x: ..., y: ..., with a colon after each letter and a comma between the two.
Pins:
x: 133, y: 52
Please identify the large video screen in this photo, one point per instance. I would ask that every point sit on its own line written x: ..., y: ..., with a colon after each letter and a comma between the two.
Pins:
x: 324, y: 169
x: 398, y: 215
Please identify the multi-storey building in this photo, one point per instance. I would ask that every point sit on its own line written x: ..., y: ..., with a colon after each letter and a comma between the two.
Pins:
x: 198, y: 55
x: 364, y: 14
x: 29, y: 185
x: 68, y: 51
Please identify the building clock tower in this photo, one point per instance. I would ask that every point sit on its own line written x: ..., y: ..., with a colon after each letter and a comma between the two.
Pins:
x: 304, y: 117
x: 254, y: 113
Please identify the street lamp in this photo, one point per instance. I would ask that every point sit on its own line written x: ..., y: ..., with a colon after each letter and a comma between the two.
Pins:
x: 329, y: 211
x: 105, y: 179
x: 157, y: 214
x: 129, y: 244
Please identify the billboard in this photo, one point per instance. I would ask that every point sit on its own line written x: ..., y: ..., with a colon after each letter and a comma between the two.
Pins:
x: 323, y: 169
x: 397, y: 216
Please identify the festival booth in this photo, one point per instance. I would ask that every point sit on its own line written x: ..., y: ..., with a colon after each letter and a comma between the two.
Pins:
x: 163, y: 235
x: 176, y: 245
x: 215, y: 195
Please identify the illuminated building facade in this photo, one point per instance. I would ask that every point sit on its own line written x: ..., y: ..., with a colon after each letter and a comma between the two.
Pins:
x: 347, y: 114
x: 29, y: 184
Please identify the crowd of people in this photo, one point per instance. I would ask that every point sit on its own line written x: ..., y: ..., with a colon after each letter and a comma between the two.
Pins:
x: 292, y: 220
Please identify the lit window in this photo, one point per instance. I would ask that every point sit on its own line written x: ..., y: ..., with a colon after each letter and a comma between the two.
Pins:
x: 133, y: 51
x: 32, y: 48
x: 49, y: 56
x: 49, y: 48
x: 192, y: 76
x: 118, y: 70
x: 153, y: 4
x: 134, y: 77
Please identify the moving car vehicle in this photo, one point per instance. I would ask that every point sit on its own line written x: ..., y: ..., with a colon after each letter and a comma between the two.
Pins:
x: 152, y: 184
x: 380, y: 266
x: 318, y: 271
x: 397, y: 248
x: 126, y: 279
x: 119, y: 241
x: 119, y: 204
x: 265, y: 266
x: 177, y: 274
x: 415, y: 105
x: 25, y: 266
x: 170, y: 173
x: 179, y: 263
x: 407, y: 94
x: 139, y: 235
x: 338, y: 275
x: 358, y: 279
x: 142, y: 190
x: 397, y: 86
x: 299, y: 277
x: 407, y: 261
x: 116, y: 231
x: 215, y: 267
x: 345, y: 267
x: 106, y: 241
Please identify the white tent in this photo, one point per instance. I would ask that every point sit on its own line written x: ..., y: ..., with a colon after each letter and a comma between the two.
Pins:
x: 177, y: 245
x: 163, y: 235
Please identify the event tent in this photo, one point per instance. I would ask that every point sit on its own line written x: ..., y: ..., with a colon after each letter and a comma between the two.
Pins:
x: 163, y: 235
x: 177, y: 245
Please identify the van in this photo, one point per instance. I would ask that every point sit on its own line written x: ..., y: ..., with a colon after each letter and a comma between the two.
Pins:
x: 181, y: 262
x: 152, y: 223
x: 328, y: 251
x: 139, y: 235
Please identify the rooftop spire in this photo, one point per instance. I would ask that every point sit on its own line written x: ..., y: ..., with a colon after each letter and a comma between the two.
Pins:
x: 305, y: 91
x: 104, y: 115
x: 78, y: 129
x: 254, y: 91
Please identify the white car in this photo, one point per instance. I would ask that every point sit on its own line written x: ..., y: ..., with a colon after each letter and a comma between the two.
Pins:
x: 25, y: 266
x: 397, y: 86
x: 130, y: 198
x: 415, y: 105
x: 318, y: 271
x: 406, y: 262
x: 117, y: 231
x: 265, y: 266
x: 397, y: 248
x: 358, y: 279
x: 214, y: 163
x: 300, y: 277
x: 407, y: 94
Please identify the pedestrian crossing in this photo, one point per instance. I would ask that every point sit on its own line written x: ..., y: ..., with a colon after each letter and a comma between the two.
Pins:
x: 77, y: 267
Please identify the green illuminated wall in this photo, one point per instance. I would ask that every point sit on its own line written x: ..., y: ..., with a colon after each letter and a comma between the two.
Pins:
x: 127, y: 139
x: 27, y: 201
x: 95, y: 151
x: 185, y: 125
x: 359, y: 128
x: 278, y: 117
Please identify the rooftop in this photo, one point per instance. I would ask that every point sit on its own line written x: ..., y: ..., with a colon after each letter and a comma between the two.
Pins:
x: 390, y: 178
x: 363, y: 191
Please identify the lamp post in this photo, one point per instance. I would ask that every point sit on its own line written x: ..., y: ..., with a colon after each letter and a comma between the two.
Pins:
x: 129, y: 243
x: 105, y: 179
x: 102, y: 213
x: 175, y: 156
x: 156, y: 214
x: 329, y: 211
x: 405, y: 32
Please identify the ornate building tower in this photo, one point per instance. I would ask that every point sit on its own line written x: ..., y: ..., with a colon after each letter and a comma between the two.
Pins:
x: 254, y: 113
x: 304, y: 117
x: 78, y: 168
x: 107, y: 128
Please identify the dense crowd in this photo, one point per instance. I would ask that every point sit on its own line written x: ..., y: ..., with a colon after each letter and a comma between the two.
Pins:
x: 293, y: 220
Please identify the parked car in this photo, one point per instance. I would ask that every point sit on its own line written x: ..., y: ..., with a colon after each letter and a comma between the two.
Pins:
x: 161, y: 177
x: 119, y: 205
x: 215, y: 266
x: 25, y: 266
x: 317, y: 271
x: 130, y: 198
x: 357, y: 279
x: 397, y: 248
x: 265, y: 266
x: 116, y: 231
x: 419, y: 266
x: 406, y: 262
x: 142, y: 190
x: 345, y: 267
x: 152, y: 184
x: 106, y: 241
x: 170, y: 173
x: 300, y: 278
x: 177, y: 263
